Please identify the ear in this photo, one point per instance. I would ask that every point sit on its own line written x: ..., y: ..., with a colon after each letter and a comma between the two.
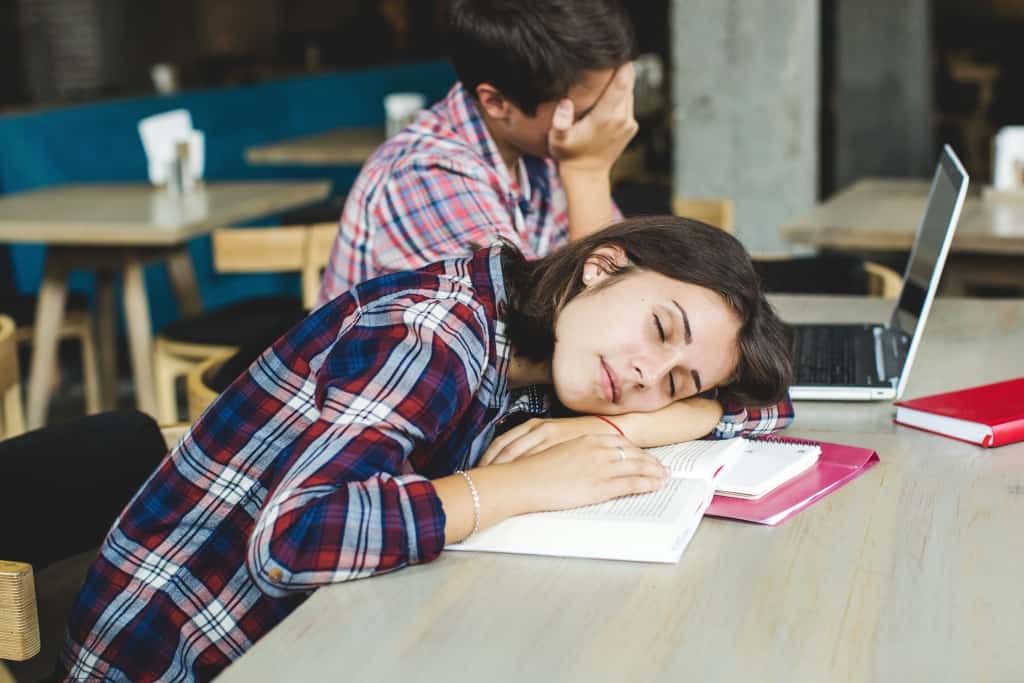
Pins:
x: 494, y: 104
x: 602, y: 262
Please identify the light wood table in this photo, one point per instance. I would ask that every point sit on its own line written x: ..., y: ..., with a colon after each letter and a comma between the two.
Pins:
x: 112, y: 228
x: 909, y: 573
x: 340, y: 147
x: 882, y: 214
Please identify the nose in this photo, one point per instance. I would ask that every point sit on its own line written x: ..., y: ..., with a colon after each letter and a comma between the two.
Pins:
x: 652, y: 368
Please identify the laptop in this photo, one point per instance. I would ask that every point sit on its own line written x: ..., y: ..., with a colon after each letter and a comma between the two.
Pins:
x: 870, y: 361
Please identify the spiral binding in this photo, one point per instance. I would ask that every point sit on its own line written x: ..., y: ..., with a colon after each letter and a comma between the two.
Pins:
x: 769, y: 438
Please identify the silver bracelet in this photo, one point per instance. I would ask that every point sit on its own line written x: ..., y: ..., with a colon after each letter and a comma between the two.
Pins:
x: 476, y: 501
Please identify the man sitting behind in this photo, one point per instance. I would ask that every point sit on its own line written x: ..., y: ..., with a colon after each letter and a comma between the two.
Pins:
x: 520, y: 148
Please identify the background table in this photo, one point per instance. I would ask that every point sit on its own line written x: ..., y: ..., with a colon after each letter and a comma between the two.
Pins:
x: 344, y: 146
x: 882, y: 214
x: 121, y: 227
x: 910, y: 573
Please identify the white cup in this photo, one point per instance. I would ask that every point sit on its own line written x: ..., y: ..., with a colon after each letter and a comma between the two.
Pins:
x: 165, y: 78
x: 401, y: 108
x: 1008, y: 160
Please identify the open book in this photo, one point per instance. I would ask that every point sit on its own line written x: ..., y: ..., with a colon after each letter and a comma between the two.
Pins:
x: 656, y: 527
x: 652, y: 527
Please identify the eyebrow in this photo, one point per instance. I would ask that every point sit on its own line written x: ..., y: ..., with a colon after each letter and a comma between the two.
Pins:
x: 687, y: 335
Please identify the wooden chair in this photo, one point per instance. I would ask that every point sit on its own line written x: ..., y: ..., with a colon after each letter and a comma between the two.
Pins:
x: 20, y: 638
x: 718, y: 213
x: 199, y: 386
x: 222, y: 332
x: 879, y: 280
x: 319, y: 242
x: 19, y: 625
x: 77, y: 325
x: 10, y: 383
x: 204, y: 382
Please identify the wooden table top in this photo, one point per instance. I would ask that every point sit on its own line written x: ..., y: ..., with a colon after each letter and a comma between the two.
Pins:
x: 882, y: 214
x: 137, y: 214
x: 340, y: 147
x: 909, y: 573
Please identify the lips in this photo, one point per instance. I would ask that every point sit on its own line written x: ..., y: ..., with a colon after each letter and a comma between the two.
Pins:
x: 609, y: 383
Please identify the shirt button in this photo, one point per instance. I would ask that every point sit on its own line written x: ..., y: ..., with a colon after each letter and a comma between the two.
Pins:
x: 275, y: 575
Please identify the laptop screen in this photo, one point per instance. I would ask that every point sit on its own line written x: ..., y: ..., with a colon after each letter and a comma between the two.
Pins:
x: 929, y: 251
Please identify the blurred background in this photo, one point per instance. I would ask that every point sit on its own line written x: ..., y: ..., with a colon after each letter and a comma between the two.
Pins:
x: 747, y: 81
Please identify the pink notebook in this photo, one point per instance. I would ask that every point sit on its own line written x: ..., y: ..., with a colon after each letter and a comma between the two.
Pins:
x: 837, y: 465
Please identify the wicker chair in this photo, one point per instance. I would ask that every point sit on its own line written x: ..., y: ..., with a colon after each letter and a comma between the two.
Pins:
x: 217, y: 333
x: 103, y: 458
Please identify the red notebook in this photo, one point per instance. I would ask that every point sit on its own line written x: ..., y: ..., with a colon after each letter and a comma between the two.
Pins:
x: 989, y: 415
x: 836, y: 467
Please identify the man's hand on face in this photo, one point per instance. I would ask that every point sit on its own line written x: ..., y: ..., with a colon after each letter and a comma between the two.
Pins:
x: 593, y: 143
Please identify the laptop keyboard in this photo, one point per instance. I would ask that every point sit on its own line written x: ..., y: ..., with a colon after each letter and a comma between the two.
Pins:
x: 827, y: 354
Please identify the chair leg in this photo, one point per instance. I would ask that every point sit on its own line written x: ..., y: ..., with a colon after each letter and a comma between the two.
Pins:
x: 165, y: 370
x: 14, y: 416
x: 49, y: 315
x: 90, y: 371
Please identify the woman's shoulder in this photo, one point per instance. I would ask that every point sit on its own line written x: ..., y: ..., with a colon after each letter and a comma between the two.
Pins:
x: 462, y: 285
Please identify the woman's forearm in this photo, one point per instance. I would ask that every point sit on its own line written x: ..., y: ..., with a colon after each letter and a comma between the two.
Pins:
x: 683, y: 420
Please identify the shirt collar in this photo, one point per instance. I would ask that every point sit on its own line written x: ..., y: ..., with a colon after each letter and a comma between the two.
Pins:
x: 469, y: 125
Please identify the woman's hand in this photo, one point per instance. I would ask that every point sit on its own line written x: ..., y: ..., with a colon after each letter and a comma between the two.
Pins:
x: 538, y: 434
x: 586, y: 470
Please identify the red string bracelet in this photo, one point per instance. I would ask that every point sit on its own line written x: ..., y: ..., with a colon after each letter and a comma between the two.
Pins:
x: 614, y: 426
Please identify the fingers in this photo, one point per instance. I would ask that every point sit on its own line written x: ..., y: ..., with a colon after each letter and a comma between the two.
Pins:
x: 525, y: 444
x: 633, y: 485
x: 500, y: 443
x: 564, y: 115
x: 636, y: 461
x: 619, y: 92
x: 639, y: 467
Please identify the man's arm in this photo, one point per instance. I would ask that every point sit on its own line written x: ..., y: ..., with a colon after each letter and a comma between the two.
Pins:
x: 587, y: 149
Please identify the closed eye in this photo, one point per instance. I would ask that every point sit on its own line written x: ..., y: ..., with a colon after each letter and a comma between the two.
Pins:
x: 661, y: 330
x: 661, y: 335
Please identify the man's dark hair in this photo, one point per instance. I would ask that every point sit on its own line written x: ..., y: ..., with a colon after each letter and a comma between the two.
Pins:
x: 533, y: 51
x: 679, y: 248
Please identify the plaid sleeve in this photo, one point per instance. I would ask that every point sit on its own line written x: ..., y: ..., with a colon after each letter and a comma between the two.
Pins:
x: 740, y: 421
x: 347, y: 504
x: 433, y: 209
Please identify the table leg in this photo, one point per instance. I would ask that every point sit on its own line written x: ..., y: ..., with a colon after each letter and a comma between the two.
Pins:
x: 140, y: 335
x: 106, y: 332
x: 49, y: 318
x: 183, y: 281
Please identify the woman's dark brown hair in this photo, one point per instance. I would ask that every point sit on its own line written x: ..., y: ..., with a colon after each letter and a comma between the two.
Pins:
x: 679, y: 248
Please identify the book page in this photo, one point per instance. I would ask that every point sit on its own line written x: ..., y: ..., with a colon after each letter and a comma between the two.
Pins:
x: 652, y: 527
x: 698, y: 459
x: 668, y: 503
